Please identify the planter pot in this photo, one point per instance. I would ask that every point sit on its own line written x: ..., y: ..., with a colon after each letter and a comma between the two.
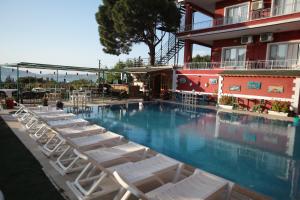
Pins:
x: 282, y: 114
x: 227, y: 107
x: 9, y: 103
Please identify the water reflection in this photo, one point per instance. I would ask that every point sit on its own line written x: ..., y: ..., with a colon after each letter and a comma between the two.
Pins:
x: 255, y: 152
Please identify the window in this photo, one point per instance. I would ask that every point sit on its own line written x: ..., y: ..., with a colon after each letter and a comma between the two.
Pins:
x: 236, y: 14
x: 282, y: 7
x: 284, y: 51
x: 285, y: 54
x: 234, y: 57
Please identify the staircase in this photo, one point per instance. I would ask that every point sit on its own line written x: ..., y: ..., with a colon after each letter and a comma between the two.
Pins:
x: 171, y: 47
x: 169, y: 50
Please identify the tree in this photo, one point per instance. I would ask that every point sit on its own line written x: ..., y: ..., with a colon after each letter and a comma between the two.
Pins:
x: 199, y: 58
x: 123, y: 23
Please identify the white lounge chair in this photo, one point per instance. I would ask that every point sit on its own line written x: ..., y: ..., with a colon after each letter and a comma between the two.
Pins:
x: 67, y: 123
x: 199, y: 186
x: 56, y: 116
x: 36, y: 122
x: 58, y: 137
x: 99, y: 158
x: 69, y: 160
x: 80, y: 130
x: 137, y: 172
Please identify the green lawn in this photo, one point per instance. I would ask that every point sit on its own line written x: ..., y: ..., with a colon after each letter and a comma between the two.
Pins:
x: 21, y: 176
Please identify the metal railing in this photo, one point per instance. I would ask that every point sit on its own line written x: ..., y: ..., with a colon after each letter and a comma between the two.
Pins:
x: 253, y: 15
x: 247, y: 65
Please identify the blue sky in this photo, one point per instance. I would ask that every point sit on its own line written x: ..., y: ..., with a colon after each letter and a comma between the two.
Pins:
x: 56, y: 32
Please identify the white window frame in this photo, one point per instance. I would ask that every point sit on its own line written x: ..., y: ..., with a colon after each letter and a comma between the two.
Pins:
x: 231, y: 47
x: 272, y: 10
x: 283, y: 42
x: 236, y: 5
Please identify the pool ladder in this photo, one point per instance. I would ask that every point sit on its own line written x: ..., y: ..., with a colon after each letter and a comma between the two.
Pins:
x: 189, y: 102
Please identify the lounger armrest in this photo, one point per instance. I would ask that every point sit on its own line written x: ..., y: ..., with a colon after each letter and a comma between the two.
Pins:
x: 82, y: 156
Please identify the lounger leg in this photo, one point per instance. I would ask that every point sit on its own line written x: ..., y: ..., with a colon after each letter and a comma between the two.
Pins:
x: 122, y: 194
x: 39, y: 132
x: 67, y: 162
x: 18, y: 112
x: 53, y: 145
x: 95, y: 184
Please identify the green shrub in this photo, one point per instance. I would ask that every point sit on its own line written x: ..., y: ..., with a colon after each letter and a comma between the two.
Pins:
x: 257, y: 108
x: 280, y: 106
x: 227, y: 100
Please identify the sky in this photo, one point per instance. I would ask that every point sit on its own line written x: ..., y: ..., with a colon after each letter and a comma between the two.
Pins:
x: 61, y: 32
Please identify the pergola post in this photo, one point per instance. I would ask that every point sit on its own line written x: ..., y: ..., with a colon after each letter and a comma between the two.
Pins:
x: 56, y: 83
x: 18, y: 86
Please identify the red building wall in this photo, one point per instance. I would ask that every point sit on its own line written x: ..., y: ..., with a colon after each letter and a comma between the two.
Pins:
x: 286, y: 82
x: 197, y: 79
x: 255, y: 51
x: 248, y: 103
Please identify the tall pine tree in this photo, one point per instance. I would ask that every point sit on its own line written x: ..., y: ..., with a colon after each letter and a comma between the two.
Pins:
x: 123, y: 23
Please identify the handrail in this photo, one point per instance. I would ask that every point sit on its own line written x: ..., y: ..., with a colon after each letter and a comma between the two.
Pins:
x: 292, y: 64
x: 170, y: 48
x: 253, y: 15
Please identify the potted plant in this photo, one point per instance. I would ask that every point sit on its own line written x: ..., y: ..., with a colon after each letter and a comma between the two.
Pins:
x: 257, y: 108
x: 59, y: 105
x: 226, y: 102
x: 280, y: 108
x: 9, y: 103
x: 45, y: 101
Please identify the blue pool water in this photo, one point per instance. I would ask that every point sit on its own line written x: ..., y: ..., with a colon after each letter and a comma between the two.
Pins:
x: 258, y: 153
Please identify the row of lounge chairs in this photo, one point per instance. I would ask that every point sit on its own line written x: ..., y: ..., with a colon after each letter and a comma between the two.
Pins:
x: 92, y: 154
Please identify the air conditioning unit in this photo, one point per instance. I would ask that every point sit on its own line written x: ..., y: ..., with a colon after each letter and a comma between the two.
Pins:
x: 257, y: 5
x: 266, y: 37
x: 247, y: 39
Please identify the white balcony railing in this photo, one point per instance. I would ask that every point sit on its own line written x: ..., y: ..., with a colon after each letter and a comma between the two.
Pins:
x: 253, y: 15
x: 247, y: 65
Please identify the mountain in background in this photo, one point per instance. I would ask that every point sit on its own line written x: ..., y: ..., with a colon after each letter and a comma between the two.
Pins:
x: 5, y: 72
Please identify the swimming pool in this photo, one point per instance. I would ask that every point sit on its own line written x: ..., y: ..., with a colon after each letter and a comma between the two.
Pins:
x: 258, y: 153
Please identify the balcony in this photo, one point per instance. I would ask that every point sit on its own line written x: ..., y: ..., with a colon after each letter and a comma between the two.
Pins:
x: 253, y: 16
x: 246, y: 65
